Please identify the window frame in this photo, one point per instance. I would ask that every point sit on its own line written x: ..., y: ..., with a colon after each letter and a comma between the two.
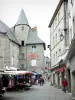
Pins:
x: 32, y: 61
x: 22, y: 28
x: 33, y: 48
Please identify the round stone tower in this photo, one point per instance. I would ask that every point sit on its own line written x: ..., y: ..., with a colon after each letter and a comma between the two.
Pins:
x: 21, y: 33
x: 22, y: 28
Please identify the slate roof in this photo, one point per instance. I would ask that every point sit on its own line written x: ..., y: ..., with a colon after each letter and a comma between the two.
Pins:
x: 12, y: 29
x: 4, y: 29
x: 34, y: 39
x: 22, y: 19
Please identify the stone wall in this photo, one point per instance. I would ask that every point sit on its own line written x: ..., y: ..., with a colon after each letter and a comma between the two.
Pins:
x: 38, y: 55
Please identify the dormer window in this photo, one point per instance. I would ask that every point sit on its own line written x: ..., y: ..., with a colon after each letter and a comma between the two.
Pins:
x: 22, y: 43
x: 22, y: 27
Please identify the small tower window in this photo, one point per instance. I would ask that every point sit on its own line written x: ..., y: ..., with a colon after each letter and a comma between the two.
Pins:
x: 22, y: 27
x: 22, y: 43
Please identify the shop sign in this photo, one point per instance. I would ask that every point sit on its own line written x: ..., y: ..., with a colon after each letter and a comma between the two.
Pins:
x: 32, y: 56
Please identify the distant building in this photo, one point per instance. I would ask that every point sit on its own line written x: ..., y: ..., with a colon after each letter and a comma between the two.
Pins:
x: 46, y: 67
x: 20, y: 46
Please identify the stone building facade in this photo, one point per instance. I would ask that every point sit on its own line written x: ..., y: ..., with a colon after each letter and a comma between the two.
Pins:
x: 20, y: 46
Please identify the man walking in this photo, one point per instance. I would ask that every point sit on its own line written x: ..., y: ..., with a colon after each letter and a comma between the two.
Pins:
x: 64, y: 84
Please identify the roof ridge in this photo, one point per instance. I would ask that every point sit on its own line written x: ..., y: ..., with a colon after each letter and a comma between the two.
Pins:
x: 22, y: 18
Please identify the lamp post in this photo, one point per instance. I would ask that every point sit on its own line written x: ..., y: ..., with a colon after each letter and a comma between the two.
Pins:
x: 64, y: 33
x: 61, y: 34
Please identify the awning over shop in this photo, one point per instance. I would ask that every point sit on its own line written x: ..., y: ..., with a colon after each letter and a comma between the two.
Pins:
x: 60, y: 70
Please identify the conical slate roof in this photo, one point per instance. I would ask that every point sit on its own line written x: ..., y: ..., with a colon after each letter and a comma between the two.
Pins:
x: 22, y: 18
x: 4, y: 29
x: 34, y: 39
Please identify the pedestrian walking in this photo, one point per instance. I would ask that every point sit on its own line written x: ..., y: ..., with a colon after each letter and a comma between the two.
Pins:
x: 64, y: 84
x: 1, y: 84
x: 5, y: 80
x: 48, y: 78
x: 41, y: 81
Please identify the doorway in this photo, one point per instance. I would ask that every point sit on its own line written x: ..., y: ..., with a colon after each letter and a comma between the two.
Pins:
x: 53, y: 79
x: 69, y: 80
x: 58, y: 80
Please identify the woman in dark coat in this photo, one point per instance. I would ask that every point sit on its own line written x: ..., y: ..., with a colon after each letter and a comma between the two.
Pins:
x: 1, y: 84
x: 41, y: 81
x: 5, y: 79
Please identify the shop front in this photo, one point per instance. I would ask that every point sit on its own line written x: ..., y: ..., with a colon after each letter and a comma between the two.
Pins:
x: 68, y: 75
x: 60, y: 75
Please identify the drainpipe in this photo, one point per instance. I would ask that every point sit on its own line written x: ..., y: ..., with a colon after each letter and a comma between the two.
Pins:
x: 66, y: 27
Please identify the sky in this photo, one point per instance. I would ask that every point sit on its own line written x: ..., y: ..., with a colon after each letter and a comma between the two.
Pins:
x: 38, y: 12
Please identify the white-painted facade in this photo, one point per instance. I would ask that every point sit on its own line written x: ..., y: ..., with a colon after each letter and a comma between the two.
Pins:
x: 57, y: 44
x: 59, y: 40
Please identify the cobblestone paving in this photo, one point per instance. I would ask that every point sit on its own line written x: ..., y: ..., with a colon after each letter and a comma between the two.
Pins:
x: 38, y: 92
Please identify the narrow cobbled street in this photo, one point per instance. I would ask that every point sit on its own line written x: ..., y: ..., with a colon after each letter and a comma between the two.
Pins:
x: 38, y: 92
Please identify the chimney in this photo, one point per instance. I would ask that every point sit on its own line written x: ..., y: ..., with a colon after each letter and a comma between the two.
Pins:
x: 35, y: 30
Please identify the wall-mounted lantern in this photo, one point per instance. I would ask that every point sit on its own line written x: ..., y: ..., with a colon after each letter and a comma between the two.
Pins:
x: 61, y: 37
